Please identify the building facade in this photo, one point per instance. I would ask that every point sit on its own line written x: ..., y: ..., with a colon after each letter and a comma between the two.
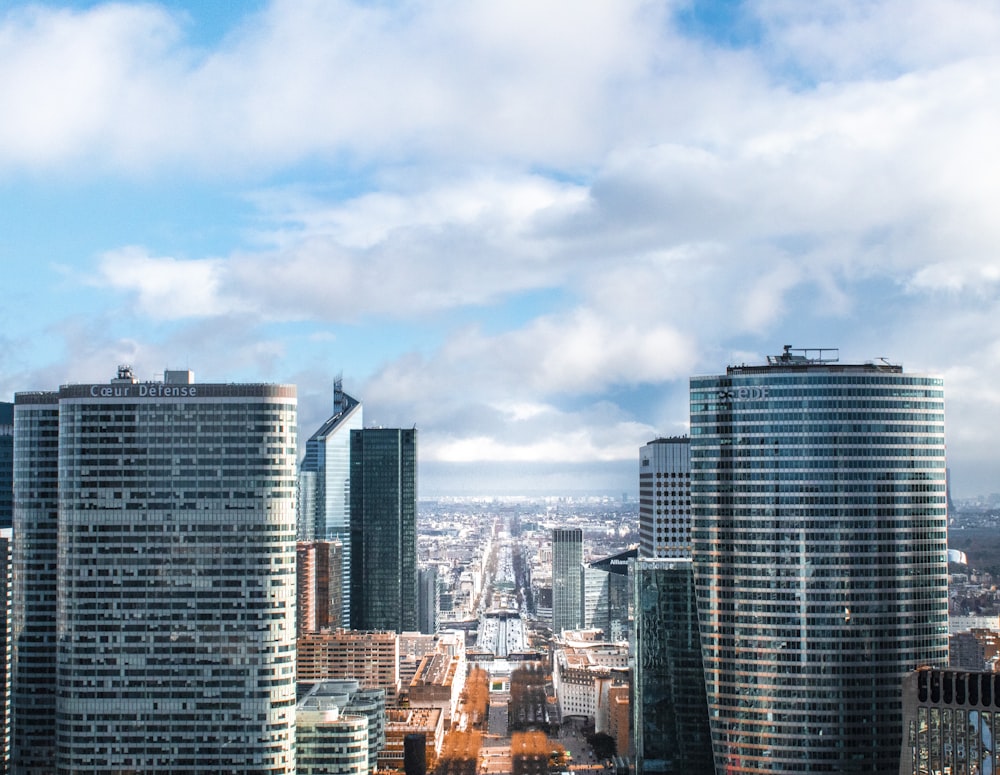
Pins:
x: 318, y: 585
x: 173, y: 595
x: 370, y: 658
x: 665, y: 498
x: 951, y: 721
x: 820, y: 557
x: 670, y: 712
x: 324, y: 505
x: 339, y: 729
x: 6, y: 464
x: 567, y: 579
x: 428, y: 599
x: 384, y: 529
x: 606, y: 595
x: 6, y: 577
x: 33, y: 604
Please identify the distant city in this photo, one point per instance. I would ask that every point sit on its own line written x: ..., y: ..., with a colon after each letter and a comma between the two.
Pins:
x: 194, y: 588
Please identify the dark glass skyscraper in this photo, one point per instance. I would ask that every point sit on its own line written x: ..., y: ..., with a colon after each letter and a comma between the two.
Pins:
x: 383, y: 529
x: 33, y: 606
x: 820, y: 557
x: 6, y: 464
x: 670, y: 717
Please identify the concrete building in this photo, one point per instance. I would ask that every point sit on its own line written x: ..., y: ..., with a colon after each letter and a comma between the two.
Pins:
x: 403, y: 722
x: 340, y: 728
x: 438, y: 682
x: 324, y: 506
x: 370, y: 658
x: 567, y: 595
x: 820, y: 557
x: 665, y: 498
x: 318, y: 585
x: 584, y: 671
x: 383, y: 529
x: 173, y: 595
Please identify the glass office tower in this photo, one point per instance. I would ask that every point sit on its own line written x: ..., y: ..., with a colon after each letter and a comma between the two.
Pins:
x: 567, y: 582
x: 6, y: 464
x: 325, y: 486
x: 820, y: 557
x: 669, y: 717
x: 33, y: 593
x: 384, y: 529
x: 174, y: 602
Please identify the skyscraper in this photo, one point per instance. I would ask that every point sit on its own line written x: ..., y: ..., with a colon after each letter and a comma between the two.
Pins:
x: 6, y: 464
x: 318, y: 571
x: 173, y: 594
x: 670, y: 716
x: 665, y: 498
x: 820, y: 554
x: 383, y: 529
x: 325, y: 485
x: 33, y: 604
x: 567, y: 581
x: 6, y: 541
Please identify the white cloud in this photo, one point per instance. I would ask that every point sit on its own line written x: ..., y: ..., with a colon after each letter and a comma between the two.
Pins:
x: 573, y: 198
x: 165, y: 288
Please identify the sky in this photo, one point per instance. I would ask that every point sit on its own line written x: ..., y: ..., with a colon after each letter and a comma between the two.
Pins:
x: 518, y: 226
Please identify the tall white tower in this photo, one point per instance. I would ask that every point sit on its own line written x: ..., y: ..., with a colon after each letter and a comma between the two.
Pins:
x: 175, y: 579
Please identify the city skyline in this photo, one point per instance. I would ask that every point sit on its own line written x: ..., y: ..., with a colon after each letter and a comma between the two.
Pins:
x: 521, y: 229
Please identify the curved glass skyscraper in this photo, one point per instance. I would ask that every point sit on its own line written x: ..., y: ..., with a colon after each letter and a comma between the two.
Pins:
x: 820, y: 558
x: 155, y: 557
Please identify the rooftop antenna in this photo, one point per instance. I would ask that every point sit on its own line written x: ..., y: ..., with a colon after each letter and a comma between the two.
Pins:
x: 338, y: 394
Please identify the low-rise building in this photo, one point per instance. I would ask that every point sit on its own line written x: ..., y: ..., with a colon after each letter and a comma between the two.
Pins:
x: 370, y: 658
x: 401, y: 722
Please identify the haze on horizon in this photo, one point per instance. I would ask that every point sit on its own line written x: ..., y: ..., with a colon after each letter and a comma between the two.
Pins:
x: 520, y: 227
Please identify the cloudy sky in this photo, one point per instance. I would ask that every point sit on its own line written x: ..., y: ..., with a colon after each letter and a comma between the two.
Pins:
x: 520, y: 226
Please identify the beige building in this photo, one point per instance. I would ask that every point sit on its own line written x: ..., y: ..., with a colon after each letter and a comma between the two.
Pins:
x: 370, y: 658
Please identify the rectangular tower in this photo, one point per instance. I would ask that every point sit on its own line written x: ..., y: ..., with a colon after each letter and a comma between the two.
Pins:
x: 567, y: 580
x: 175, y: 581
x: 820, y: 555
x: 383, y: 529
x: 665, y: 498
x: 33, y: 604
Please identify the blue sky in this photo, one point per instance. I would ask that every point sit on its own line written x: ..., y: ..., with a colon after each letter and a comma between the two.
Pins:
x: 519, y: 226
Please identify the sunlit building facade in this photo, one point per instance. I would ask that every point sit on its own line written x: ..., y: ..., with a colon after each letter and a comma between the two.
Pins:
x: 324, y: 503
x: 174, y: 590
x: 820, y: 557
